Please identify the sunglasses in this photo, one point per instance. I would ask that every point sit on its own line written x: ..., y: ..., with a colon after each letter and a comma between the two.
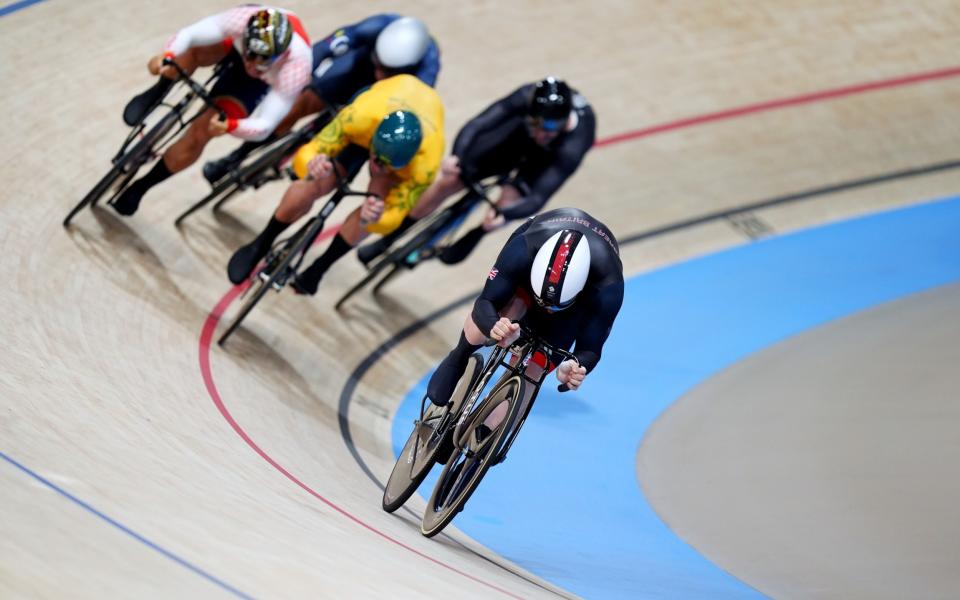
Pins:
x: 551, y: 125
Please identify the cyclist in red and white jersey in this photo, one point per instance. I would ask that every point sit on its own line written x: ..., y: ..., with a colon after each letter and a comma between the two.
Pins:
x: 265, y: 59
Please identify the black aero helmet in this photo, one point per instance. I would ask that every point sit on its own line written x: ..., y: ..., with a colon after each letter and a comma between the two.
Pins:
x: 551, y: 100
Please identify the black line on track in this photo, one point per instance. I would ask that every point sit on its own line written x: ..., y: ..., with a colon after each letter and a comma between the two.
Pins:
x: 346, y: 395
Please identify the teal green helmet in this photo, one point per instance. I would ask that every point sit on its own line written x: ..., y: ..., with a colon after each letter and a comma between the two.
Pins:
x: 397, y: 139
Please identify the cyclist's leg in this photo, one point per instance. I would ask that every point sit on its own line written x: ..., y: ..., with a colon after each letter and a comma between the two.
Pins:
x: 296, y: 202
x: 353, y: 230
x: 438, y: 191
x: 497, y: 154
x: 235, y: 92
x: 448, y: 373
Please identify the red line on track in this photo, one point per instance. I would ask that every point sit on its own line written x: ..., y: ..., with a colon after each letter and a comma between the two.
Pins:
x: 213, y: 318
x: 206, y: 336
x: 781, y: 103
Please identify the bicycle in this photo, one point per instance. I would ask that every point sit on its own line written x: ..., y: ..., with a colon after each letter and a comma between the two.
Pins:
x: 133, y: 153
x: 425, y: 241
x: 265, y: 164
x: 455, y: 434
x: 286, y: 255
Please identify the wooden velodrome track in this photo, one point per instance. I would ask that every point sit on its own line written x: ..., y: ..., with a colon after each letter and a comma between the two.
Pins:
x: 230, y: 472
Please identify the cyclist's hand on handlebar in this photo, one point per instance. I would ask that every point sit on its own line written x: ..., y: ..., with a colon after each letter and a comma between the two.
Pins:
x: 450, y: 167
x: 156, y: 67
x: 217, y: 126
x: 371, y: 210
x: 493, y: 220
x: 570, y: 374
x: 319, y: 167
x: 504, y: 332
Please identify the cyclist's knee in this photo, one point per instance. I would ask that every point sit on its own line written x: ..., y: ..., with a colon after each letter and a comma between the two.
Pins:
x: 388, y: 222
x: 472, y: 332
x: 509, y: 195
x: 444, y: 379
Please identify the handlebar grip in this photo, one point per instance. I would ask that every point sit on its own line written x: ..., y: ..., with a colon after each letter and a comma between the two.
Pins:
x: 563, y: 388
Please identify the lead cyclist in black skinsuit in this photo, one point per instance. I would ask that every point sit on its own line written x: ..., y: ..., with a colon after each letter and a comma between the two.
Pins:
x: 560, y: 274
x: 534, y: 139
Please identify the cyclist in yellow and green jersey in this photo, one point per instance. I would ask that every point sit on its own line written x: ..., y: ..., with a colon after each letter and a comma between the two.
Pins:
x: 397, y: 124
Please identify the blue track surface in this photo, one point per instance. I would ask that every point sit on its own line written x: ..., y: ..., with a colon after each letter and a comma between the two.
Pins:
x: 567, y: 506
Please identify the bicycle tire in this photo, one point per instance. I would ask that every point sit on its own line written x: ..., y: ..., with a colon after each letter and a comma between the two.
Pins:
x: 422, y: 453
x: 394, y: 258
x: 386, y: 279
x: 295, y: 245
x: 215, y: 193
x: 125, y: 168
x: 245, y: 309
x: 227, y: 187
x: 372, y: 274
x: 454, y: 487
x: 95, y: 193
x: 268, y: 159
x: 226, y: 197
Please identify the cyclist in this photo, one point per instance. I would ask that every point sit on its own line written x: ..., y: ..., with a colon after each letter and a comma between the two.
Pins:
x: 265, y: 57
x: 560, y: 273
x: 540, y: 132
x: 398, y: 125
x: 348, y: 60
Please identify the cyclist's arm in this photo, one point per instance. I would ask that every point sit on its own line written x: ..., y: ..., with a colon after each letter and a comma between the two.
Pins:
x: 264, y: 119
x: 568, y: 159
x: 430, y: 65
x: 210, y: 30
x: 503, y: 281
x: 285, y: 86
x: 541, y: 190
x: 362, y: 33
x: 330, y: 141
x: 593, y: 333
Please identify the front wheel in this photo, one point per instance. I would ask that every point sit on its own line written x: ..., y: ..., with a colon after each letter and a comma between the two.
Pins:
x: 470, y: 460
x: 274, y: 275
x: 126, y: 167
x: 94, y: 194
x: 429, y: 442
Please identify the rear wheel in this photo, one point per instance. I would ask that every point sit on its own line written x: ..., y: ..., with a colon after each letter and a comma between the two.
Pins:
x: 429, y: 442
x: 470, y: 460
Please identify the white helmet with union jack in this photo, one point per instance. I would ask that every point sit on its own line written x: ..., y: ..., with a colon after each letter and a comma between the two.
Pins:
x: 560, y: 269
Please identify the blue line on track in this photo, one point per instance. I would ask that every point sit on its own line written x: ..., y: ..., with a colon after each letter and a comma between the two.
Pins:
x: 149, y: 543
x: 12, y: 8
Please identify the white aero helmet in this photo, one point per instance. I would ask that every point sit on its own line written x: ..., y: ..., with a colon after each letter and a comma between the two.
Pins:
x: 403, y: 43
x: 560, y: 269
